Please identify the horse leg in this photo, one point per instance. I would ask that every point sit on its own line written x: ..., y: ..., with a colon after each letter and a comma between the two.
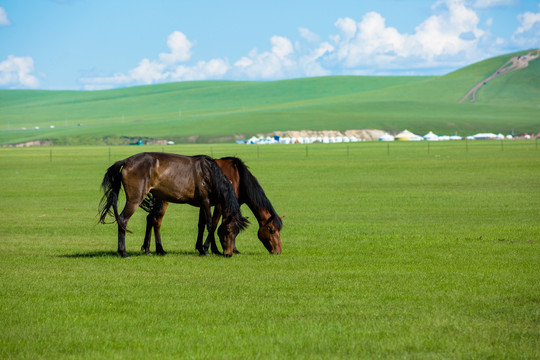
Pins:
x: 206, y: 211
x: 211, y: 239
x: 158, y: 218
x: 148, y: 234
x: 124, y: 217
x: 200, y: 233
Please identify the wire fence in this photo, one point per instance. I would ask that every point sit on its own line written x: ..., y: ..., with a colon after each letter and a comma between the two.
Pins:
x: 292, y: 151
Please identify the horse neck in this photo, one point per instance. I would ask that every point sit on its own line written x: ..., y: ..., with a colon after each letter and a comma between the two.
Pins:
x: 262, y: 215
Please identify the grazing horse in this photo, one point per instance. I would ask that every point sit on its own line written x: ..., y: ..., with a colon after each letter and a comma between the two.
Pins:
x: 248, y: 191
x: 193, y: 180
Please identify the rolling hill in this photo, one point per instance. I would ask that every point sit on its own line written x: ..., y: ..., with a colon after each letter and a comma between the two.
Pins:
x: 206, y: 111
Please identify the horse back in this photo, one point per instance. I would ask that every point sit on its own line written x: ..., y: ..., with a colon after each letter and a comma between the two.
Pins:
x: 171, y: 177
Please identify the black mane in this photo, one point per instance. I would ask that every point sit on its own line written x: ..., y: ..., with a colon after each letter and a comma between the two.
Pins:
x: 252, y: 193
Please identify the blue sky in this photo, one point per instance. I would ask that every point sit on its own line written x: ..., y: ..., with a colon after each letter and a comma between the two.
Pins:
x: 102, y: 44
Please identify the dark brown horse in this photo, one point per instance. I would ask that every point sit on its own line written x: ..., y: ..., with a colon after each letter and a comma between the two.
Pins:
x: 193, y: 180
x: 248, y: 191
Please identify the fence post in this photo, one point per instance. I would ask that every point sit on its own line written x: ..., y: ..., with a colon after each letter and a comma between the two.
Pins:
x: 50, y: 155
x: 388, y: 149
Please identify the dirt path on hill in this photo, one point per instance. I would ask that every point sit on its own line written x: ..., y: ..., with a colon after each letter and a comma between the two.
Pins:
x: 515, y: 63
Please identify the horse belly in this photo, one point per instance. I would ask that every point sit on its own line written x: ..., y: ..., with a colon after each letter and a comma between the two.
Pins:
x: 178, y: 196
x: 179, y: 192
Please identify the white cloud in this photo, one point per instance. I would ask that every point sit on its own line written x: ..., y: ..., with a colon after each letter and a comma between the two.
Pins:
x: 452, y: 30
x: 4, y: 21
x: 310, y: 62
x: 308, y: 35
x: 281, y: 46
x: 527, y: 20
x: 347, y: 27
x: 148, y: 72
x: 180, y: 48
x: 16, y: 72
x: 273, y: 64
x: 483, y: 4
x: 212, y: 69
x: 528, y: 32
x: 166, y: 68
x: 450, y: 33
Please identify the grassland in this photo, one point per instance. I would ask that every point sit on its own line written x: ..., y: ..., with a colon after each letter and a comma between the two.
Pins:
x: 213, y: 111
x: 389, y: 251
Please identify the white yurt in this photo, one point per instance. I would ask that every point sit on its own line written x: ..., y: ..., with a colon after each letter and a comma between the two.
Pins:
x: 386, y: 137
x: 484, y: 136
x: 430, y: 136
x: 406, y: 135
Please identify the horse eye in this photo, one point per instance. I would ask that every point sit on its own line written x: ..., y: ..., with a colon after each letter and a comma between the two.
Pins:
x: 272, y: 231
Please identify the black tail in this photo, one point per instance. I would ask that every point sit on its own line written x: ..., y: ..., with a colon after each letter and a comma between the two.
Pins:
x: 152, y: 204
x: 226, y: 197
x: 252, y: 193
x: 111, y: 184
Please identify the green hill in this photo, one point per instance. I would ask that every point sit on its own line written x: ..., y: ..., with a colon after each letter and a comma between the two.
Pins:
x: 218, y: 110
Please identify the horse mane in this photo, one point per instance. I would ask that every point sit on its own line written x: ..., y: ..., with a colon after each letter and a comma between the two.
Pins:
x: 252, y: 192
x: 224, y: 191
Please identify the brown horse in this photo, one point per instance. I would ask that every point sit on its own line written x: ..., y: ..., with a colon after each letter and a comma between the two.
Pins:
x: 193, y: 180
x: 248, y: 191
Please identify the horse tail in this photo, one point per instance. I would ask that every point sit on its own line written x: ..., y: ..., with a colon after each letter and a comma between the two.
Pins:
x: 111, y: 184
x: 152, y: 204
x: 226, y: 197
x: 252, y: 192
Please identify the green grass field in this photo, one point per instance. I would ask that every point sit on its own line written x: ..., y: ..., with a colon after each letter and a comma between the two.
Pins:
x: 217, y: 111
x: 390, y: 251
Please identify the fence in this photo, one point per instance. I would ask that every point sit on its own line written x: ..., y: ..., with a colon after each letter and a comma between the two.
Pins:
x: 260, y: 152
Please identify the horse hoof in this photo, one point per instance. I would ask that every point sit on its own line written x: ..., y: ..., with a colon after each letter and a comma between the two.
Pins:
x: 123, y: 254
x: 203, y: 253
x: 146, y: 251
x: 227, y: 255
x: 236, y: 251
x: 161, y: 253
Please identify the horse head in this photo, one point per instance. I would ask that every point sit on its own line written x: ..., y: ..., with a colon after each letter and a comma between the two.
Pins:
x: 227, y: 233
x: 269, y: 234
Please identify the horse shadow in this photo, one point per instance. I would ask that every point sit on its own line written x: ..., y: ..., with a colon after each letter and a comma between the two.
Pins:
x: 114, y: 254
